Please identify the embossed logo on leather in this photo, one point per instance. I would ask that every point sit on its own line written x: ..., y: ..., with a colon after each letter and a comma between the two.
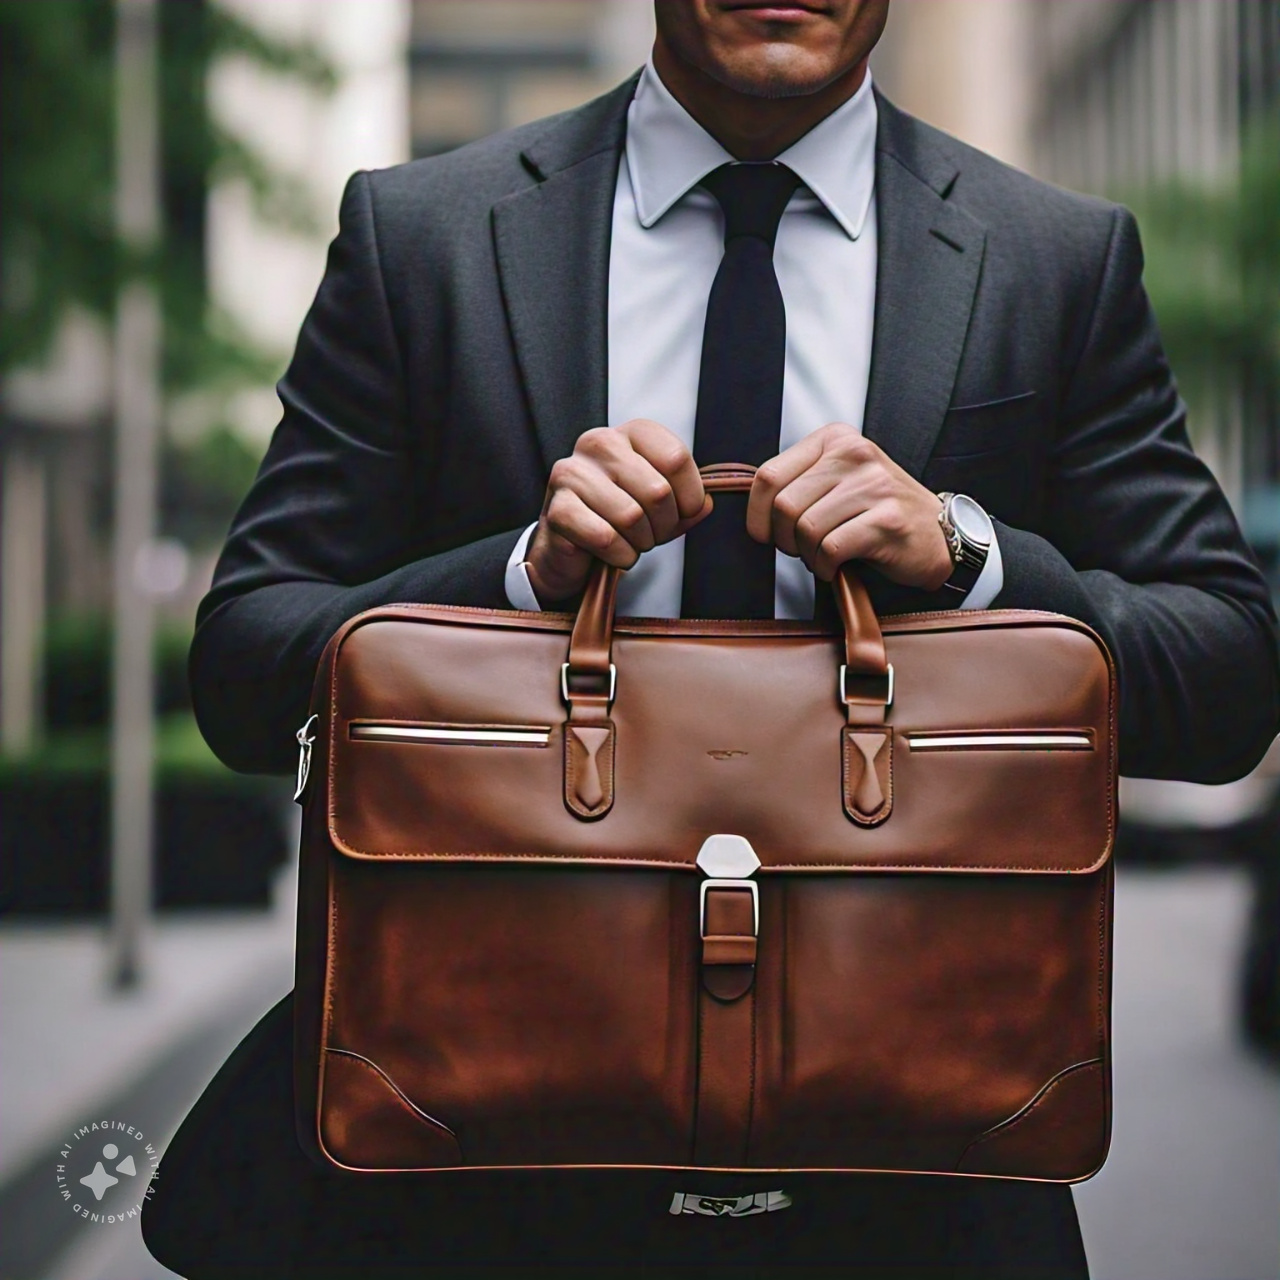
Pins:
x: 726, y: 754
x: 729, y: 1206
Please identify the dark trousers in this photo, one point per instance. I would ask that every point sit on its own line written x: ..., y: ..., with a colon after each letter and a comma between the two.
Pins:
x: 236, y: 1198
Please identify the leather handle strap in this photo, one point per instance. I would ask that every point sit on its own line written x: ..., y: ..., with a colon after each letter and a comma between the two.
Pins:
x: 591, y: 643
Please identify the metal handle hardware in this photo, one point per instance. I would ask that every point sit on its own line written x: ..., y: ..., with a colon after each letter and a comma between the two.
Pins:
x: 305, y: 739
x: 564, y: 682
x: 847, y: 698
x: 728, y: 861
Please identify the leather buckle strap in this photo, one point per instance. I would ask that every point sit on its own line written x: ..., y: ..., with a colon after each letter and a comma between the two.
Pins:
x: 729, y: 929
x: 729, y: 912
x: 731, y: 940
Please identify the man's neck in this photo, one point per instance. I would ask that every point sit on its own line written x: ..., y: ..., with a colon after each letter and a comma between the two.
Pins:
x: 751, y: 128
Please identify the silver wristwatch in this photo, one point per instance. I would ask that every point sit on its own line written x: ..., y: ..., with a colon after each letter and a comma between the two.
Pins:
x: 969, y: 533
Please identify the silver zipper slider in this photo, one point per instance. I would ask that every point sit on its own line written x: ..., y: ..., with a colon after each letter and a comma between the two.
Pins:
x: 305, y: 739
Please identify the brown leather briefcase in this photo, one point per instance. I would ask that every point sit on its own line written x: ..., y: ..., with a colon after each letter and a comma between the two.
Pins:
x: 732, y: 895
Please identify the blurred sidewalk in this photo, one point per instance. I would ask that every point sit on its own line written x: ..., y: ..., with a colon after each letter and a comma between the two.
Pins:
x: 1190, y: 1192
x: 72, y: 1052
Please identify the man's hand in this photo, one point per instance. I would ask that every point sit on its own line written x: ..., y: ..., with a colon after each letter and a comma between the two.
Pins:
x: 835, y: 496
x: 624, y: 490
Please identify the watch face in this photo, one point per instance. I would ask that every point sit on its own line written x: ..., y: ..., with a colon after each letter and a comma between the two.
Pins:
x: 973, y: 524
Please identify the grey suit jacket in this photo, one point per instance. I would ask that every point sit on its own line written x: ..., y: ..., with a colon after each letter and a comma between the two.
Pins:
x: 457, y: 348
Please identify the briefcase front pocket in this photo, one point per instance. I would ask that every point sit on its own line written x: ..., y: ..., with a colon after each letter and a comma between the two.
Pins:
x: 889, y: 1034
x: 541, y: 1014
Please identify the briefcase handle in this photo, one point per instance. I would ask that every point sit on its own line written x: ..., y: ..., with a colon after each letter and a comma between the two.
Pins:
x: 866, y: 680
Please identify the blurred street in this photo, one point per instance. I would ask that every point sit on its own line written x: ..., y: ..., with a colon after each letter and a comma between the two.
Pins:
x: 1191, y: 1190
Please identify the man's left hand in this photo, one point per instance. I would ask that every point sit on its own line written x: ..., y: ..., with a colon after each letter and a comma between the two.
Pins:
x: 835, y: 497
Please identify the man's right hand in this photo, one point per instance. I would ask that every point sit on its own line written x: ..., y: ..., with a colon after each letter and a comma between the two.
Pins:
x: 623, y: 490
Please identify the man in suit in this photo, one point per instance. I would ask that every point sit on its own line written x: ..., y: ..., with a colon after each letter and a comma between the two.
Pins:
x: 948, y: 373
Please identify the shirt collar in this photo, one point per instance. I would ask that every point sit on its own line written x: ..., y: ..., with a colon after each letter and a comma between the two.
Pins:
x: 668, y: 153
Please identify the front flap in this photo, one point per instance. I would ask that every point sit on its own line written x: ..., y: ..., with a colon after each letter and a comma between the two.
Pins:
x: 447, y: 743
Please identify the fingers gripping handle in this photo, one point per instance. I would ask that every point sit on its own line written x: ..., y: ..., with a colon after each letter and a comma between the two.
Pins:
x: 589, y: 668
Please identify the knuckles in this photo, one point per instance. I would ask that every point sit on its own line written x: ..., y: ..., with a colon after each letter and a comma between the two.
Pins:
x: 892, y: 519
x: 790, y: 508
x: 807, y: 531
x: 832, y: 552
x: 843, y: 433
x: 565, y: 473
x: 599, y: 442
x: 633, y: 518
x: 767, y: 475
x: 655, y: 495
x: 670, y: 459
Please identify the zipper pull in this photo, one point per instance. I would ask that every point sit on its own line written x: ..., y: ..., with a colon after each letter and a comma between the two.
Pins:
x: 305, y: 739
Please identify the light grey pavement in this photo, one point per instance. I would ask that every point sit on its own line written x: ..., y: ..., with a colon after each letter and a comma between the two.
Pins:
x: 72, y: 1052
x: 1191, y: 1190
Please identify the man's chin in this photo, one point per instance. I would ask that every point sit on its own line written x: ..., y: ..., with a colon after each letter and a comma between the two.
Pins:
x: 778, y: 72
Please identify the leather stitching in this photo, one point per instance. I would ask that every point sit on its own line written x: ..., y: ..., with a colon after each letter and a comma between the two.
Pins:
x: 772, y: 869
x: 1101, y: 1006
x: 403, y: 1098
x: 392, y: 722
x: 1026, y: 1111
x: 890, y: 624
x: 605, y: 766
x: 753, y: 995
x: 846, y: 755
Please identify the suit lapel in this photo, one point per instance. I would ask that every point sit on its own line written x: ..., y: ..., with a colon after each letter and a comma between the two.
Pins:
x: 928, y: 261
x: 551, y: 240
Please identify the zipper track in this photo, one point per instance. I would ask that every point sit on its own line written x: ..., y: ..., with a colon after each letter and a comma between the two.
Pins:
x: 1000, y: 740
x: 459, y: 735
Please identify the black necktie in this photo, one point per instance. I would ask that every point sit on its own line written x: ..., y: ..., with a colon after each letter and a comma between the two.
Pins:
x: 726, y: 573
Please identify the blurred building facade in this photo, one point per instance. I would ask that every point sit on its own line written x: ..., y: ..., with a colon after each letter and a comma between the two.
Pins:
x: 478, y: 66
x: 55, y: 418
x: 1115, y: 98
x: 263, y: 275
x: 1137, y: 94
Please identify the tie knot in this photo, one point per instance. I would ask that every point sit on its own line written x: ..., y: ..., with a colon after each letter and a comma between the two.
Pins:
x: 752, y: 197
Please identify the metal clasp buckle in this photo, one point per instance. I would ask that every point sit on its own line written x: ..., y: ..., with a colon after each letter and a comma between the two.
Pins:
x: 613, y: 682
x: 749, y: 885
x: 844, y: 688
x: 728, y: 861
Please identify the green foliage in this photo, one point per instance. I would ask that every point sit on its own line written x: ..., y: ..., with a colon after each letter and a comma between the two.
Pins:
x: 180, y: 753
x: 1213, y: 268
x: 77, y: 671
x: 57, y: 243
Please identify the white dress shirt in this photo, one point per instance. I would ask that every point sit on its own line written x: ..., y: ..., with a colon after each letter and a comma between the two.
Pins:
x: 668, y: 238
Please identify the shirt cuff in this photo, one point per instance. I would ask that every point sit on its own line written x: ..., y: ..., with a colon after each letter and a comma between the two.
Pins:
x: 520, y: 591
x: 981, y: 594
